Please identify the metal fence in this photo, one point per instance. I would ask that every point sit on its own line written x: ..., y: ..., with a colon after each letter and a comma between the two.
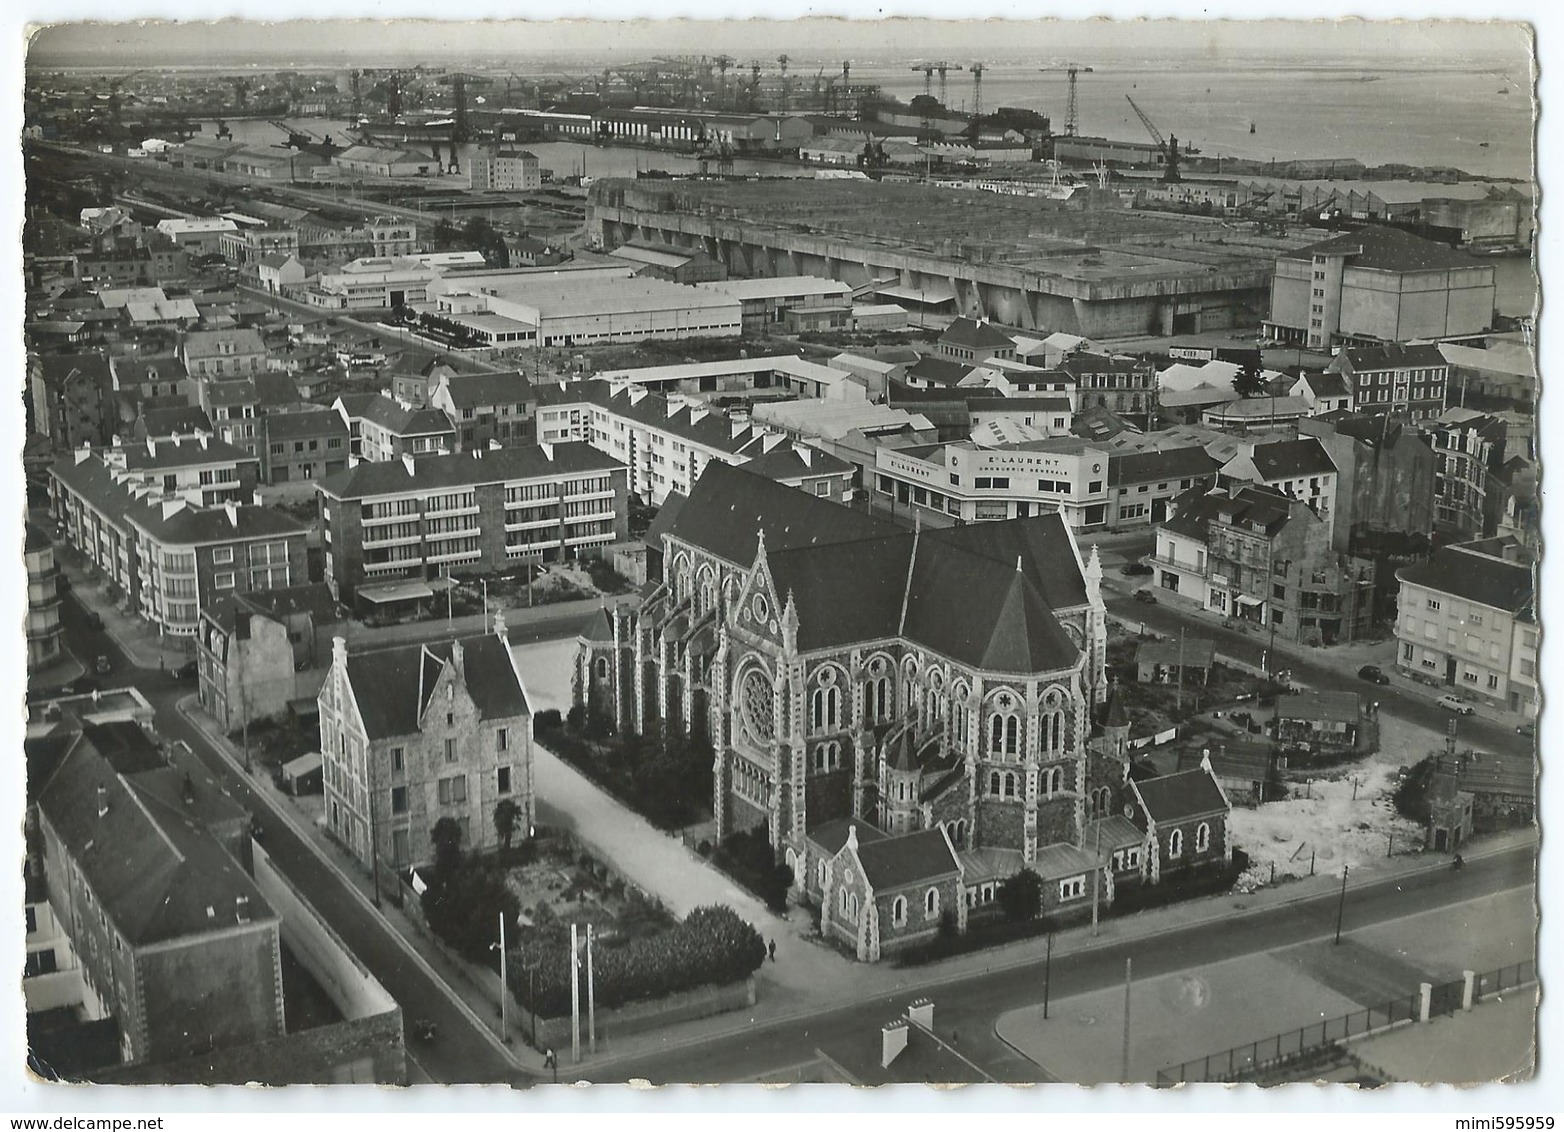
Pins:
x: 1300, y: 1045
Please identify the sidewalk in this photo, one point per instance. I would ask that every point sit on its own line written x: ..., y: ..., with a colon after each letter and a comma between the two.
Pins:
x: 519, y: 617
x: 479, y: 1004
x: 143, y: 646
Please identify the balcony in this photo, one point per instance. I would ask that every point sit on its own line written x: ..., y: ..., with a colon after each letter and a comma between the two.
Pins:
x: 390, y: 540
x: 446, y: 536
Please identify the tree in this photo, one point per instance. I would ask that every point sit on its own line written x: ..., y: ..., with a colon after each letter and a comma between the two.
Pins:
x: 1248, y: 382
x: 1021, y: 896
x: 506, y: 815
x: 447, y: 839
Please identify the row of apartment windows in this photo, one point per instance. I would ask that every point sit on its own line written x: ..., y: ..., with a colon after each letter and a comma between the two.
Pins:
x: 332, y: 443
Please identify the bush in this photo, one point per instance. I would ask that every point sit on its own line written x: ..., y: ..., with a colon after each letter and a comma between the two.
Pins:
x: 747, y: 857
x: 1021, y: 896
x: 987, y: 933
x: 712, y: 946
x: 546, y: 721
x: 1411, y: 796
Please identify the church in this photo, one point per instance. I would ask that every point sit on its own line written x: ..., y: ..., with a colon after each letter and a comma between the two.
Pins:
x: 907, y: 714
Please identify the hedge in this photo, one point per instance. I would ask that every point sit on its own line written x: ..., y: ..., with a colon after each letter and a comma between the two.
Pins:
x: 712, y: 946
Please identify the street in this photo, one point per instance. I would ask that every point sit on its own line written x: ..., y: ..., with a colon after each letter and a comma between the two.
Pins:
x: 969, y: 1006
x: 1318, y: 669
x: 461, y: 1051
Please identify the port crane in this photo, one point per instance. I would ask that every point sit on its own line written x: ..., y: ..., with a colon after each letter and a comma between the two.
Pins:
x: 1072, y: 107
x: 307, y: 141
x: 1169, y: 146
x: 977, y: 89
x: 929, y: 69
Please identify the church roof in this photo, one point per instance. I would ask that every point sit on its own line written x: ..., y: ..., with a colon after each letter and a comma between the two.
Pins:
x: 983, y: 595
x: 598, y: 628
x: 911, y: 858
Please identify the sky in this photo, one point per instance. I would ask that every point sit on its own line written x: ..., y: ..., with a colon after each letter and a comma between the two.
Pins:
x: 865, y: 39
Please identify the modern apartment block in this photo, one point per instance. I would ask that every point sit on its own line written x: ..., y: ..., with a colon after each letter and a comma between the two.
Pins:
x: 472, y: 513
x: 1466, y: 619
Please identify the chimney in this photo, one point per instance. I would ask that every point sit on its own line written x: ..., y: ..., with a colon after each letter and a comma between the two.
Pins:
x: 233, y: 514
x: 499, y: 623
x: 82, y: 453
x: 1205, y: 760
x: 151, y: 446
x: 459, y: 660
x: 807, y: 455
x: 201, y: 436
x: 242, y: 909
x: 103, y: 801
x: 407, y: 462
x: 921, y: 1013
x: 548, y: 450
x: 893, y: 1039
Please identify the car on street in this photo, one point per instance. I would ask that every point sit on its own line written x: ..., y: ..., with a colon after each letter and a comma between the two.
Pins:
x: 103, y: 667
x: 1528, y: 729
x: 1146, y: 596
x: 1134, y: 569
x: 1456, y: 704
x: 186, y: 671
x: 1373, y: 674
x: 94, y: 621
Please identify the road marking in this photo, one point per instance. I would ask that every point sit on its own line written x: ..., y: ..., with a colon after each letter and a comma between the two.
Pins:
x: 418, y: 960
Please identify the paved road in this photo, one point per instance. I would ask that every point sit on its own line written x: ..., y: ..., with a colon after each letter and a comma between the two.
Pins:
x: 971, y: 1005
x: 1324, y: 673
x: 461, y: 1051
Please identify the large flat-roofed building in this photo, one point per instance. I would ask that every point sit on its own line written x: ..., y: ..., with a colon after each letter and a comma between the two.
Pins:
x: 379, y: 161
x: 567, y: 308
x: 465, y: 514
x: 202, y: 235
x: 766, y: 301
x: 1067, y: 475
x: 1378, y: 285
x: 779, y: 377
x: 1084, y: 266
x: 372, y: 284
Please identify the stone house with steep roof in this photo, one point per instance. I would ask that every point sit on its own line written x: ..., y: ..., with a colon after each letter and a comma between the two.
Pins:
x: 414, y: 734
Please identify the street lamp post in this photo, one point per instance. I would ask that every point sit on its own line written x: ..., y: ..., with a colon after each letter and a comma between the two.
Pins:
x: 1341, y: 905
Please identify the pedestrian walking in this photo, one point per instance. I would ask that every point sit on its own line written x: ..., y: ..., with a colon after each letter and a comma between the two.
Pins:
x: 771, y: 948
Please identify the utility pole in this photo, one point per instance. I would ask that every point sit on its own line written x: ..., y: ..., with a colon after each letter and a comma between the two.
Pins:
x: 591, y: 998
x: 1124, y: 1063
x: 575, y: 997
x: 504, y: 991
x: 1341, y: 905
x: 1048, y: 971
x: 1096, y: 872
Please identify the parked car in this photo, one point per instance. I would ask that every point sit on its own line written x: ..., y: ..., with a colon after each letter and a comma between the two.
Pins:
x: 1146, y: 596
x: 186, y: 671
x: 1373, y: 674
x: 103, y: 667
x: 1455, y: 704
x: 1132, y: 569
x: 94, y: 621
x: 1528, y: 729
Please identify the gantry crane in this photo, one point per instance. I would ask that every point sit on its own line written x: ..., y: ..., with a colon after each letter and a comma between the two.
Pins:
x: 1168, y: 146
x: 977, y: 89
x: 1071, y: 112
